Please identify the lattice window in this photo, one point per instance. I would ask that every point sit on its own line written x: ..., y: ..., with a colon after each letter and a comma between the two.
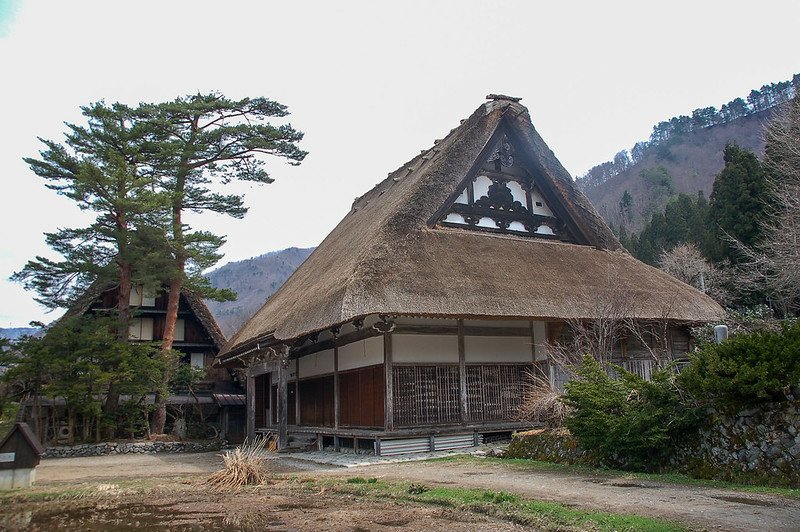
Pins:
x: 425, y: 395
x: 494, y: 392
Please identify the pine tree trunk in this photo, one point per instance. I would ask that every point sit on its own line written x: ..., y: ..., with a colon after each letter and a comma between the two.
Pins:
x: 71, y: 425
x: 123, y: 335
x: 85, y: 429
x: 159, y: 418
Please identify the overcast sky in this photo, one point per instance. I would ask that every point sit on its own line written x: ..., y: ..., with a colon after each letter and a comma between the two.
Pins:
x: 370, y: 83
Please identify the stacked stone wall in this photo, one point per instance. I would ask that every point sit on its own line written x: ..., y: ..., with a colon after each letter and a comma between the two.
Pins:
x: 758, y: 444
x: 763, y: 441
x: 100, y: 449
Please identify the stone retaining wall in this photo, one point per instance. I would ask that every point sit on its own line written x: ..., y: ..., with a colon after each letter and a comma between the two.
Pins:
x: 762, y: 441
x: 548, y: 445
x: 759, y: 445
x: 99, y: 449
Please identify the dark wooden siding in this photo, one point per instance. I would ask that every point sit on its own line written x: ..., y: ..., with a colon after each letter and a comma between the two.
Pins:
x: 361, y: 396
x: 291, y: 406
x: 316, y: 402
x: 260, y: 383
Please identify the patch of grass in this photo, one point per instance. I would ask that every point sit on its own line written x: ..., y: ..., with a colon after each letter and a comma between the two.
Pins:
x: 505, y: 506
x: 670, y: 478
x: 361, y: 480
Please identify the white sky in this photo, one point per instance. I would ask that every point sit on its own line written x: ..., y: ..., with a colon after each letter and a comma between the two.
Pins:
x: 370, y: 83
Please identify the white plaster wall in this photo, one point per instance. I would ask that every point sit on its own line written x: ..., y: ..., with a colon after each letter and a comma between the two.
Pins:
x: 481, y: 186
x: 316, y: 364
x: 522, y: 324
x: 362, y: 353
x: 497, y: 349
x: 425, y: 348
x: 410, y: 320
x: 540, y: 339
x: 544, y: 210
x: 517, y: 193
x: 455, y: 218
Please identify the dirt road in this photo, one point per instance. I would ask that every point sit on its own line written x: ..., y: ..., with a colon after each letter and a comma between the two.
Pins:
x: 699, y: 507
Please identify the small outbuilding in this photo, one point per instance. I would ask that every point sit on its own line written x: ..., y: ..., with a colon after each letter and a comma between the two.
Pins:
x: 414, y: 324
x: 20, y: 452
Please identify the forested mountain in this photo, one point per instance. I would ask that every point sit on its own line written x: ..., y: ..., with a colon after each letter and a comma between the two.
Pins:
x: 683, y: 155
x: 253, y: 280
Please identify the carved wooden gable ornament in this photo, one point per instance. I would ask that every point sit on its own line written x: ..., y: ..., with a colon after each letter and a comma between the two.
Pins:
x: 502, y: 194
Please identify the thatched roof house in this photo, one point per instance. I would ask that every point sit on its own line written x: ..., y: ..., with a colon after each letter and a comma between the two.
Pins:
x: 485, y: 225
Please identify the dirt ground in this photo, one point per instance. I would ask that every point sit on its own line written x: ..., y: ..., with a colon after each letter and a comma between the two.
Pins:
x: 282, y: 507
x: 698, y: 507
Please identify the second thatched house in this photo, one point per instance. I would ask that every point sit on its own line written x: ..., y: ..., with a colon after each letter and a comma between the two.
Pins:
x: 413, y: 324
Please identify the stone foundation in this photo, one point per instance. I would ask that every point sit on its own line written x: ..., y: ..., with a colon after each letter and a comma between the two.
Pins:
x: 147, y: 447
x: 548, y: 445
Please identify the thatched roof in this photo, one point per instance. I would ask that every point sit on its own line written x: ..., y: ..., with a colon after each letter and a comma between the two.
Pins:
x: 386, y: 256
x: 195, y: 302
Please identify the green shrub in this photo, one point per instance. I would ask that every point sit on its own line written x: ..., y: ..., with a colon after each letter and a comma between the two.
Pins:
x: 627, y: 422
x: 746, y: 369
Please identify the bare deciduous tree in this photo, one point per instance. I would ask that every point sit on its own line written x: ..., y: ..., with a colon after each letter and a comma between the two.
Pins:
x: 616, y: 319
x: 775, y: 262
x: 686, y: 263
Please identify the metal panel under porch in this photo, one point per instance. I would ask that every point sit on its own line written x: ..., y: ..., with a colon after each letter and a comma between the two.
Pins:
x: 402, y: 441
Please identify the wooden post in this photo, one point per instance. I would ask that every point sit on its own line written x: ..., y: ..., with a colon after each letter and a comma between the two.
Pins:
x: 297, y: 391
x: 462, y: 372
x: 283, y: 414
x: 251, y: 407
x: 270, y: 422
x: 336, y: 388
x: 533, y: 344
x: 223, y: 422
x: 388, y: 407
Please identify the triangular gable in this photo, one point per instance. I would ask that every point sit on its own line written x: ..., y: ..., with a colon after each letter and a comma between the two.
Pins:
x: 504, y: 193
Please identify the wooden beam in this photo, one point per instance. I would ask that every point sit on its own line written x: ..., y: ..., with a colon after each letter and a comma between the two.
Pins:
x: 296, y: 391
x: 282, y: 406
x: 362, y: 334
x: 388, y: 406
x: 462, y: 372
x: 251, y: 407
x: 468, y: 330
x: 336, y: 387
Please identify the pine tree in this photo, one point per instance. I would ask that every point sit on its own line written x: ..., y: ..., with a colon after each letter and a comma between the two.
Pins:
x: 195, y: 141
x: 100, y: 166
x: 739, y: 201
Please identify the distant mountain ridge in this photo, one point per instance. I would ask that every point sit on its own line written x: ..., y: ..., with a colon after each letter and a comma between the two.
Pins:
x: 254, y: 281
x: 15, y: 333
x: 683, y: 155
x: 687, y: 164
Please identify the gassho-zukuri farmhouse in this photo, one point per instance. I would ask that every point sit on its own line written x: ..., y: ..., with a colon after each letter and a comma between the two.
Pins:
x: 414, y: 323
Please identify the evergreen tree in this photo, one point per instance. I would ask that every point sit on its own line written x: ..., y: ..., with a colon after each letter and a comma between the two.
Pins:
x: 100, y: 166
x: 738, y: 203
x: 195, y: 141
x: 626, y: 207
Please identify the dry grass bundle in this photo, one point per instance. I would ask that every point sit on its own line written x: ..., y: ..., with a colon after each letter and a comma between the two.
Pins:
x: 541, y: 403
x: 244, y: 466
